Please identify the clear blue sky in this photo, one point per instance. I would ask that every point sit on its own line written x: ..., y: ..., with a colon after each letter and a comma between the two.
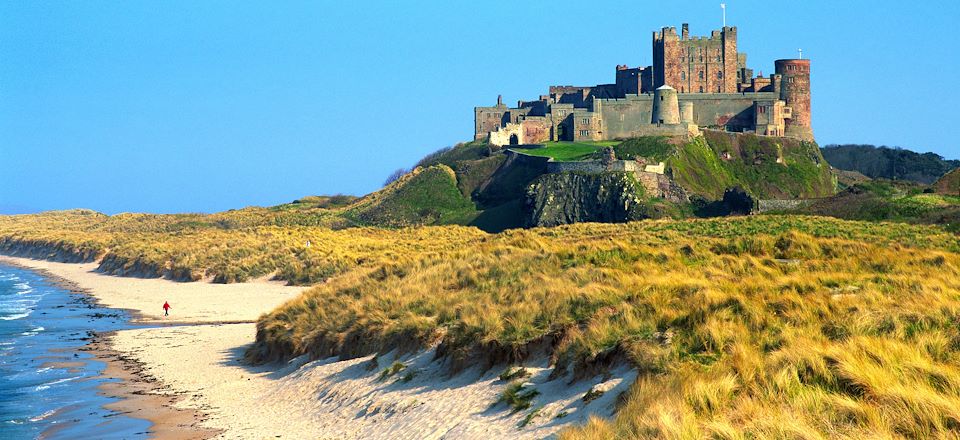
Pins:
x: 175, y: 106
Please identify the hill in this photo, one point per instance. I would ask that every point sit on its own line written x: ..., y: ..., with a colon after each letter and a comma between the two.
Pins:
x: 889, y: 163
x: 949, y: 184
x: 514, y: 190
x: 889, y: 201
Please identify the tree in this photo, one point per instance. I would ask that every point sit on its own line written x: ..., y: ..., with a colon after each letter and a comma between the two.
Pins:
x: 396, y: 174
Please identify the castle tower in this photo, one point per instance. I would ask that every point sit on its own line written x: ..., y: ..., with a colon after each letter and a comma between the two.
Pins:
x: 696, y: 64
x: 666, y: 109
x: 795, y: 92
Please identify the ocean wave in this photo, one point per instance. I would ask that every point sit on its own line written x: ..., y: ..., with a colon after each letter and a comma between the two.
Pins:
x: 43, y: 416
x: 17, y: 316
x: 57, y: 382
x: 21, y: 286
x: 47, y: 385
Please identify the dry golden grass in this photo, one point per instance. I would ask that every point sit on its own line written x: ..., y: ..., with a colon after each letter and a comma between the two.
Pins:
x: 814, y: 328
x: 191, y: 247
x: 756, y: 327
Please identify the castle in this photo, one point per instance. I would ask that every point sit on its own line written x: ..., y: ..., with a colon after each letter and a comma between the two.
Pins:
x: 694, y: 82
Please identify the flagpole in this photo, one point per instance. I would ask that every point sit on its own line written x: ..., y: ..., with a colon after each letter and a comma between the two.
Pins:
x: 723, y: 6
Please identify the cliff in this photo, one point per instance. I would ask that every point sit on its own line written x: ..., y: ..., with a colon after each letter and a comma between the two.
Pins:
x: 613, y: 197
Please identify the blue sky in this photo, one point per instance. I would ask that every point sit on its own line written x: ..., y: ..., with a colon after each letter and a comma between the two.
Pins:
x: 183, y: 106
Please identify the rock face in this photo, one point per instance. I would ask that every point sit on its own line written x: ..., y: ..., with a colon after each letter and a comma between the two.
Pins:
x: 556, y: 199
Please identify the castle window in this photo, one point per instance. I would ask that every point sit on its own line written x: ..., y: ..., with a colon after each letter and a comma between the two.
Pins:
x: 700, y: 74
x: 585, y: 121
x: 683, y: 75
x: 762, y: 109
x: 719, y: 75
x: 701, y: 89
x: 584, y: 132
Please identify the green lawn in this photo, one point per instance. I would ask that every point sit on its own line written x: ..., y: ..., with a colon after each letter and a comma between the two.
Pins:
x: 568, y: 151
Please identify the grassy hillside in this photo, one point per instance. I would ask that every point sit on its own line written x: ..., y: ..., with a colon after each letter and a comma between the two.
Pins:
x: 767, y: 167
x: 753, y: 327
x: 889, y: 163
x: 424, y: 196
x: 949, y: 184
x: 190, y: 247
x: 881, y: 200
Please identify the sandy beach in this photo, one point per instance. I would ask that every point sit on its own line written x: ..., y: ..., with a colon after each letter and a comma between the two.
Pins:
x: 188, y: 377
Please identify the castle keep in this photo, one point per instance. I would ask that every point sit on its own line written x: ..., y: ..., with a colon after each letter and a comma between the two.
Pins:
x: 694, y: 82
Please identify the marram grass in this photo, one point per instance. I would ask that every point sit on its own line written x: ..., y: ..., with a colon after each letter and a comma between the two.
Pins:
x: 844, y: 330
x: 754, y: 327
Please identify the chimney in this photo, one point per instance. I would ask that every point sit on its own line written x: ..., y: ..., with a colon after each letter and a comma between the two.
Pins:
x: 499, y: 100
x: 685, y: 31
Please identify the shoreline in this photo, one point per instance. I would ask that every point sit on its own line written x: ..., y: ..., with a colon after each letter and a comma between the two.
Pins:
x: 138, y: 395
x: 133, y: 389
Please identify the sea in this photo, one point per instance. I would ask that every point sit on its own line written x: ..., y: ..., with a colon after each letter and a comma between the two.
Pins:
x: 48, y: 386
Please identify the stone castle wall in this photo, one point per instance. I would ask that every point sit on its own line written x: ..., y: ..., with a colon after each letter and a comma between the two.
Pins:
x: 631, y: 116
x: 591, y: 166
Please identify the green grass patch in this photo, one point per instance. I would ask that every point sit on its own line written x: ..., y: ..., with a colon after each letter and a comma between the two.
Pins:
x: 657, y: 148
x: 569, y: 151
x: 392, y: 370
x: 519, y: 397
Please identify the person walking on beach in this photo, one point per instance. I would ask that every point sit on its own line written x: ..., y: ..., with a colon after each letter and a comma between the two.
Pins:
x: 166, y: 308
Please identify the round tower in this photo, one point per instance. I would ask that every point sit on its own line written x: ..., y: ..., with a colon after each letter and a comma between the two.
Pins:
x: 795, y: 92
x: 666, y: 109
x: 686, y: 112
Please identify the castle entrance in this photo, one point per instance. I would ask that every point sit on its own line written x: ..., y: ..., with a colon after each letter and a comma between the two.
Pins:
x: 514, y: 140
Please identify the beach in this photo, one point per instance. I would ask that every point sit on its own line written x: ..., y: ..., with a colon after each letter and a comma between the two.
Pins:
x: 186, y: 375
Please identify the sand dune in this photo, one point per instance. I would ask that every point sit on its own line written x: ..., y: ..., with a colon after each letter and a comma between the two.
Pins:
x: 201, y: 365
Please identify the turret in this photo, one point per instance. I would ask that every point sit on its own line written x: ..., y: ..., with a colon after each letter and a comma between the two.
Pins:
x: 666, y: 109
x: 795, y: 92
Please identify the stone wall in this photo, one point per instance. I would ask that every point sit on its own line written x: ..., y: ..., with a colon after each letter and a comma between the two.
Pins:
x: 591, y: 166
x: 729, y: 111
x: 781, y: 204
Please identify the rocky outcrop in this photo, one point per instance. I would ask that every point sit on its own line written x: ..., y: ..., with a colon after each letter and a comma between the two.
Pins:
x: 556, y: 199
